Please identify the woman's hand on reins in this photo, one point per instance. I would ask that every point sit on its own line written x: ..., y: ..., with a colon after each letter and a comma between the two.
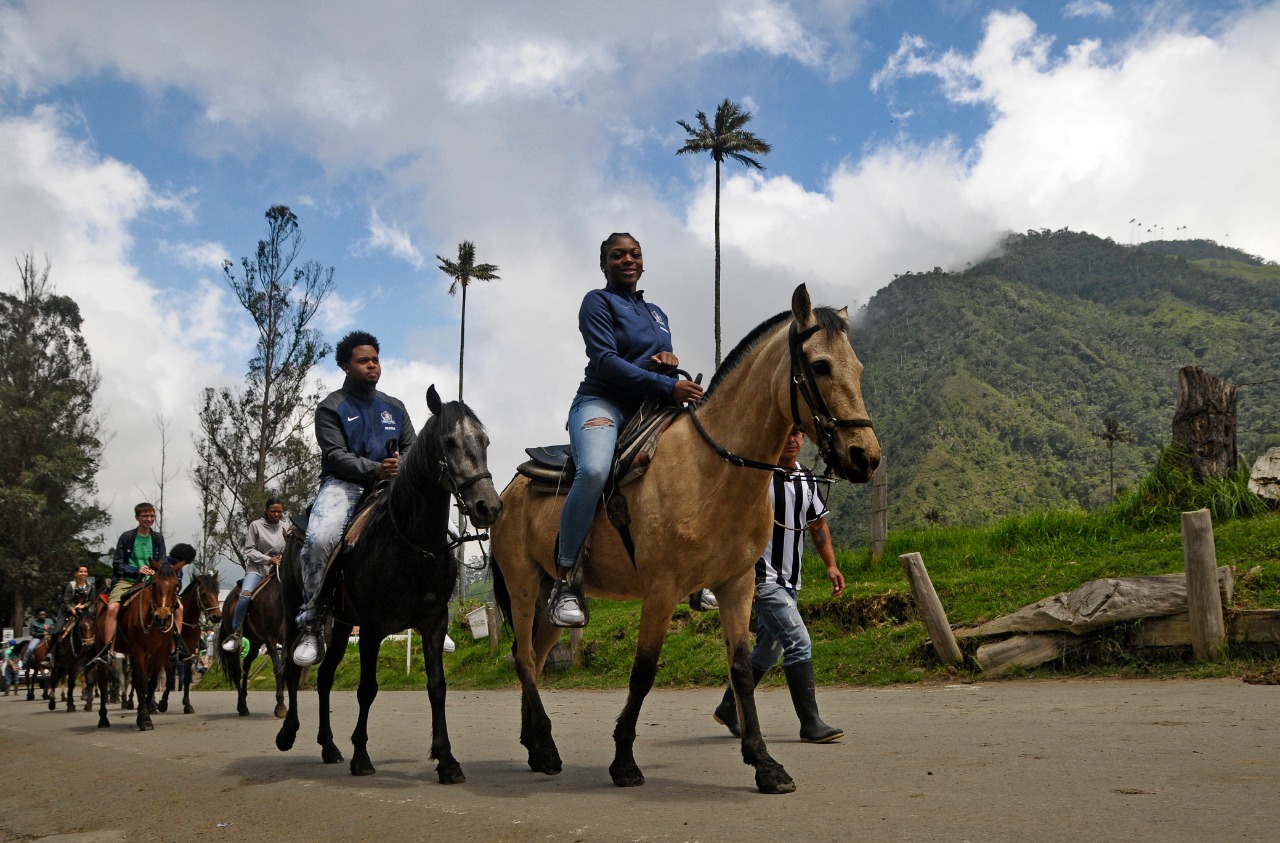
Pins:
x: 685, y: 391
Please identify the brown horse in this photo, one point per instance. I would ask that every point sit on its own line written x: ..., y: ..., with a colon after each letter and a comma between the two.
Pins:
x: 71, y: 646
x: 201, y: 610
x: 699, y: 518
x: 37, y: 673
x: 144, y: 633
x: 263, y: 625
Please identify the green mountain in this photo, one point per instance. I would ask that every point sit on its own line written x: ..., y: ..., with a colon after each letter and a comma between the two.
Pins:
x: 989, y: 387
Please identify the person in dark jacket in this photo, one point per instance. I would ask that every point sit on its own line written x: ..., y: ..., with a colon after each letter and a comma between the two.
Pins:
x: 361, y: 433
x: 624, y: 336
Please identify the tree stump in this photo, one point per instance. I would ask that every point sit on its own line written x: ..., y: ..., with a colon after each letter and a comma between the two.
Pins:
x: 1204, y: 424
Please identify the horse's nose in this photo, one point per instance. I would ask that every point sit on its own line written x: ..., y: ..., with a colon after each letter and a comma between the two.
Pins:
x: 487, y: 513
x: 860, y: 465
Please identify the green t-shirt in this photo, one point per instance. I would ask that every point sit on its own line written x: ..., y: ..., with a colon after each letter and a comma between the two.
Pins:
x: 140, y: 556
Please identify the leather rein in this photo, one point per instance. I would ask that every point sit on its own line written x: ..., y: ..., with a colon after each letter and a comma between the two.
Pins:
x: 804, y: 383
x: 445, y: 479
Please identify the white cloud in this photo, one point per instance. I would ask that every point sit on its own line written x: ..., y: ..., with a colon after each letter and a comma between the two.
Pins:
x: 198, y: 254
x: 391, y: 239
x: 1088, y: 8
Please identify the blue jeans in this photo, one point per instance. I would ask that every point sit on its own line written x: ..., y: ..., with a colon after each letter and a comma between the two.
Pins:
x: 593, y: 446
x: 334, y: 504
x: 780, y: 631
x: 248, y: 585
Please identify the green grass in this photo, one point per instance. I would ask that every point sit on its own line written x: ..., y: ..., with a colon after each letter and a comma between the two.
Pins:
x: 871, y: 636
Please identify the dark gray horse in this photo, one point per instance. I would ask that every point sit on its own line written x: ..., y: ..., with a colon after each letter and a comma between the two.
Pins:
x: 398, y: 575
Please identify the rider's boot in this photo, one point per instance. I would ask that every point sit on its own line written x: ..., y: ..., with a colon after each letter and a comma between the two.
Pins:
x: 180, y: 647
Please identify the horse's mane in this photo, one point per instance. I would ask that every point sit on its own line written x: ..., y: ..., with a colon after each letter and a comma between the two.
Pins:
x: 418, y: 466
x: 828, y: 318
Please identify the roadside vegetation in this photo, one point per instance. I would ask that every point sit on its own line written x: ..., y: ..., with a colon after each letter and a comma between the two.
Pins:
x: 871, y: 634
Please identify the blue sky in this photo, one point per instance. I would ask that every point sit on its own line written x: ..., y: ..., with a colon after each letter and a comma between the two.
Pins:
x: 141, y: 143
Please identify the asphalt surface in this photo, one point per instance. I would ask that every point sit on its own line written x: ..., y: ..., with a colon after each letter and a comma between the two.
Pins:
x: 1074, y: 760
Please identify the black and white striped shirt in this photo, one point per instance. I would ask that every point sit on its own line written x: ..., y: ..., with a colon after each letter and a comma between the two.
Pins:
x: 796, y: 504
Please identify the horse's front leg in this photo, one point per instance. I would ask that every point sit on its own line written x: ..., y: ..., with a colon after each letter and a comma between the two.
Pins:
x: 188, y: 668
x: 142, y: 686
x: 448, y: 769
x: 533, y: 641
x: 169, y: 672
x: 370, y: 646
x: 655, y: 617
x: 102, y: 680
x: 277, y: 667
x: 329, y: 751
x: 242, y: 687
x: 288, y: 732
x: 735, y: 612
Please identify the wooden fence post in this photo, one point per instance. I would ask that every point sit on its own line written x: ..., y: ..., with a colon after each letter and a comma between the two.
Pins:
x: 491, y: 620
x: 1204, y: 603
x: 879, y: 510
x: 935, y: 617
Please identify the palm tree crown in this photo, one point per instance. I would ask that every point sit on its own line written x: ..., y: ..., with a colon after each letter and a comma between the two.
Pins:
x: 726, y: 139
x: 463, y: 272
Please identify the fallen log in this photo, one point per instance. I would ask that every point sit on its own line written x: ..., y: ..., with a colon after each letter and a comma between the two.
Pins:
x: 1244, y: 626
x: 1100, y: 603
x: 1024, y: 651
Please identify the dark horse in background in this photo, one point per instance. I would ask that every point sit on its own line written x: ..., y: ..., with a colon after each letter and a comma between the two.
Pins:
x: 73, y: 644
x: 263, y: 625
x: 144, y: 633
x: 399, y: 574
x: 201, y: 610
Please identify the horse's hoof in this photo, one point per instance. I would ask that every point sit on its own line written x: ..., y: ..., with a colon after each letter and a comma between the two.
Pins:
x: 332, y: 755
x: 451, y: 773
x: 243, y: 712
x: 188, y: 709
x: 545, y: 761
x: 281, y: 711
x: 626, y: 775
x: 53, y: 705
x: 87, y: 707
x: 146, y: 726
x: 104, y: 723
x: 362, y: 768
x: 161, y: 708
x: 284, y: 739
x: 774, y: 780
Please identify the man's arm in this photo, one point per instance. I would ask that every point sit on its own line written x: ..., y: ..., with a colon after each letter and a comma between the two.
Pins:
x: 337, y: 455
x: 821, y: 536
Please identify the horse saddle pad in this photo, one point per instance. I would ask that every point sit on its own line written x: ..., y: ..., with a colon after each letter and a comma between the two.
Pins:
x: 550, y: 467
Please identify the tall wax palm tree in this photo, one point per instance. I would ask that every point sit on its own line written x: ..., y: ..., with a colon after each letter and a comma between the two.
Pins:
x: 1113, y: 432
x: 463, y: 272
x: 726, y: 139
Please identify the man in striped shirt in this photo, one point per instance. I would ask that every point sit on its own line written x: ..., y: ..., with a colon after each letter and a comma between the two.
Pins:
x: 780, y: 631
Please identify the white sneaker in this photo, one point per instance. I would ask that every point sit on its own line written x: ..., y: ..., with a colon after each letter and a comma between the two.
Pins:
x: 449, y: 645
x: 709, y: 600
x: 232, y: 643
x: 307, y: 651
x: 564, y: 608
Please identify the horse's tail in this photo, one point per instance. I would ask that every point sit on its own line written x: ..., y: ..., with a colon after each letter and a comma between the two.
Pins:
x: 230, y: 664
x: 500, y: 593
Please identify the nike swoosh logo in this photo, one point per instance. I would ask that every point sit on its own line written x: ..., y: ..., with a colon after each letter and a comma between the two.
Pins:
x: 353, y: 418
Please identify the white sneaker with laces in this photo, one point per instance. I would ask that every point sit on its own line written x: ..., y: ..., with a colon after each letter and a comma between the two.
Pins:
x: 709, y: 600
x: 565, y: 609
x: 307, y: 651
x: 232, y: 643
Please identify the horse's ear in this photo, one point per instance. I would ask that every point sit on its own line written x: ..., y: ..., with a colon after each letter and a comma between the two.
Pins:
x: 433, y: 400
x: 177, y: 566
x: 801, y: 307
x: 844, y: 314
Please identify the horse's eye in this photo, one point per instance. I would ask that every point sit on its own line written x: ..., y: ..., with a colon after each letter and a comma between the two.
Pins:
x: 451, y: 442
x: 822, y: 367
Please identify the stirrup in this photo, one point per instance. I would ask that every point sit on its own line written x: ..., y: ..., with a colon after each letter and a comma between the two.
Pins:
x: 566, y: 607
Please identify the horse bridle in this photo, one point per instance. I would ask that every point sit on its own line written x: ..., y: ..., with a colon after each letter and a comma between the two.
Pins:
x: 804, y: 382
x: 446, y: 479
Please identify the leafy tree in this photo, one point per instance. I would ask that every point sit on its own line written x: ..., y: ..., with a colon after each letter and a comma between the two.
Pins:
x: 254, y: 441
x: 1113, y: 432
x: 50, y: 442
x: 463, y: 272
x: 725, y: 139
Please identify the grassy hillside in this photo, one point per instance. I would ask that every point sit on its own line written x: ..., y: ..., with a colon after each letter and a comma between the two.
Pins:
x: 989, y: 387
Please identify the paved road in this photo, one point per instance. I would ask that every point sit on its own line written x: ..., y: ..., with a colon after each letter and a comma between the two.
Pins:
x: 1069, y: 760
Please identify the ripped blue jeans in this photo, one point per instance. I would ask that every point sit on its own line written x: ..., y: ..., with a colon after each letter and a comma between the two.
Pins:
x: 780, y: 631
x: 593, y: 446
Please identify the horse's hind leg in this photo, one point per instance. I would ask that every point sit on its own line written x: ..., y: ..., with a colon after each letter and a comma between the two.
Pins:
x: 242, y: 687
x: 103, y: 679
x: 188, y: 669
x: 277, y: 668
x: 370, y: 645
x: 329, y: 751
x: 448, y: 769
x: 289, y: 728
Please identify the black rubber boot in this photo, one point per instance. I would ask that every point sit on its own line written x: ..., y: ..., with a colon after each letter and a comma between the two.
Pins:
x: 726, y: 714
x: 180, y: 647
x: 800, y: 683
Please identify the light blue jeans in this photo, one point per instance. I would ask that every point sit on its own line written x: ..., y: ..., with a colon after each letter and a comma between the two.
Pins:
x: 247, y: 586
x: 593, y: 447
x: 334, y: 504
x: 780, y: 631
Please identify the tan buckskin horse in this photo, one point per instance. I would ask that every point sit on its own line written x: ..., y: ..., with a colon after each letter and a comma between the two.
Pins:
x: 144, y: 633
x: 700, y: 518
